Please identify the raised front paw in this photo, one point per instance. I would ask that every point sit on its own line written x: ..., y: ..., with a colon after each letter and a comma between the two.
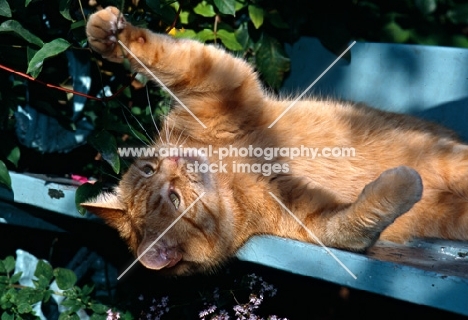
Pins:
x: 102, y: 30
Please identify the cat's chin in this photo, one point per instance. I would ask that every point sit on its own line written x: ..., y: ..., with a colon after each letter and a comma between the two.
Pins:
x: 157, y: 258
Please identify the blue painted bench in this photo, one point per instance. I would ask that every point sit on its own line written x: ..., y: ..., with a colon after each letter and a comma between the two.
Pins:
x: 428, y: 82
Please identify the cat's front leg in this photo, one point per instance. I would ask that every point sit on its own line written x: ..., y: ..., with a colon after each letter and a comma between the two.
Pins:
x: 382, y: 201
x: 204, y: 75
x: 102, y: 31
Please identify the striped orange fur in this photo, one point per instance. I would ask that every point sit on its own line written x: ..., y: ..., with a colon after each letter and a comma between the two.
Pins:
x: 408, y: 178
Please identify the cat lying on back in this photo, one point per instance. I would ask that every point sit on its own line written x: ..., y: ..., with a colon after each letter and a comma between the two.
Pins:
x: 347, y: 202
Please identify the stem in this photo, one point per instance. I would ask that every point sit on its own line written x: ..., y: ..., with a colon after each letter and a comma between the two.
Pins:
x: 82, y: 11
x: 215, y: 27
x: 175, y: 19
x: 65, y: 89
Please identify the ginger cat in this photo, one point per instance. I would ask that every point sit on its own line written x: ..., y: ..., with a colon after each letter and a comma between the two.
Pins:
x: 348, y: 202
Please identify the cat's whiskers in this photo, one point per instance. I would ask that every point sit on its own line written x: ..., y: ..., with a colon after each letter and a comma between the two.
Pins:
x: 159, y: 134
x: 125, y: 161
x: 152, y: 115
x: 164, y: 127
x: 139, y: 123
x: 170, y: 133
x: 185, y: 140
x: 180, y: 135
x: 109, y: 174
x: 134, y: 133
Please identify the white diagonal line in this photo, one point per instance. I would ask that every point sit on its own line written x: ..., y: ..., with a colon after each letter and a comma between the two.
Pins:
x: 161, y: 235
x: 162, y: 84
x: 311, y: 85
x: 314, y: 236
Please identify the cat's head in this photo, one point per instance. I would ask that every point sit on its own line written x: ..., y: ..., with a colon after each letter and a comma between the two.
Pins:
x: 163, y: 204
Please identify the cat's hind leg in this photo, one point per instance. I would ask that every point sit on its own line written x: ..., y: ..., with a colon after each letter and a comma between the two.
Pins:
x: 358, y: 225
x: 443, y: 210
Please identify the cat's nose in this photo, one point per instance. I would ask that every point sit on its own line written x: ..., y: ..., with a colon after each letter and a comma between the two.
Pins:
x: 172, y: 162
x: 173, y: 158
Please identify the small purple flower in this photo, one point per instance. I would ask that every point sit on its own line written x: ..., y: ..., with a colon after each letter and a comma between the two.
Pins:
x: 112, y: 315
x: 211, y: 309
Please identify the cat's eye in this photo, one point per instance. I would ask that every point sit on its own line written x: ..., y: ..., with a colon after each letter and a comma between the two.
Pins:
x: 147, y: 170
x: 174, y: 197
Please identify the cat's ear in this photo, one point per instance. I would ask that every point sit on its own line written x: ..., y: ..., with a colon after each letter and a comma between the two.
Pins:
x: 108, y: 207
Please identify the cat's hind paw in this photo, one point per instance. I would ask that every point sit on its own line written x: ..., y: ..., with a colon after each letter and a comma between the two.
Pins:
x: 400, y: 187
x: 102, y: 30
x: 392, y: 194
x: 382, y: 201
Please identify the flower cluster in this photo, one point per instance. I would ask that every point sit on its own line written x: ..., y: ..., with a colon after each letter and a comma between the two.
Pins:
x: 217, y: 305
x: 243, y: 311
x: 112, y: 315
x: 157, y: 309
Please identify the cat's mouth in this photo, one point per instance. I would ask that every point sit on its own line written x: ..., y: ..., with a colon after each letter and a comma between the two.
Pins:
x: 159, y: 256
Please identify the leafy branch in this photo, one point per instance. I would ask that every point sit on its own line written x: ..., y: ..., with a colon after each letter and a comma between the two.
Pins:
x: 21, y: 301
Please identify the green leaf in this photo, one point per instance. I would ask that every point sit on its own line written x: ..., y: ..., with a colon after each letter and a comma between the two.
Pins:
x: 8, y: 316
x: 41, y: 283
x: 226, y: 6
x: 239, y: 5
x: 50, y: 49
x: 14, y: 156
x: 24, y: 307
x: 84, y: 193
x: 65, y: 278
x: 272, y: 61
x: 154, y: 5
x: 184, y: 17
x: 243, y: 37
x: 426, y: 6
x: 105, y: 143
x: 67, y: 316
x: 186, y: 34
x: 47, y: 295
x: 26, y: 3
x: 129, y: 129
x: 64, y: 8
x: 9, y: 296
x: 204, y: 9
x: 431, y: 39
x: 78, y: 24
x: 44, y: 269
x: 15, y: 278
x: 229, y: 40
x: 9, y: 264
x: 5, y: 10
x: 29, y: 295
x: 459, y: 14
x: 4, y: 175
x: 72, y: 293
x: 17, y: 28
x: 87, y: 289
x: 206, y: 35
x: 73, y: 305
x: 256, y: 15
x: 393, y: 32
x: 30, y: 52
x: 459, y: 41
x: 276, y: 20
x: 136, y: 111
x: 99, y: 308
